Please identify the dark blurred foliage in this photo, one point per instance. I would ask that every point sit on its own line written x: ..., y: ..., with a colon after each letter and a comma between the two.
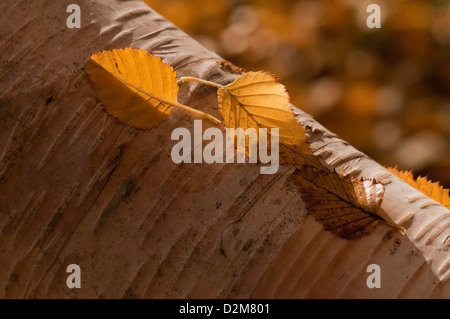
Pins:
x: 386, y: 91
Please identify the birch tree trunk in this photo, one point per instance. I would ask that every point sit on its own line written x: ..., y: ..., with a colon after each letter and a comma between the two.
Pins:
x: 79, y: 187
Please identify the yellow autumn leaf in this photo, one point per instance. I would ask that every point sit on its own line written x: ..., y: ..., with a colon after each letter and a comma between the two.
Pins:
x: 343, y: 205
x: 431, y: 189
x: 259, y: 100
x: 135, y: 86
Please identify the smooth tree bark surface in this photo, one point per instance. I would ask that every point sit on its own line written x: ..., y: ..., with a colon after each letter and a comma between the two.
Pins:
x: 79, y: 187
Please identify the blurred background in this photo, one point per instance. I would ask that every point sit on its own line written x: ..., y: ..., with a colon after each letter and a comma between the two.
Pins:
x: 386, y: 91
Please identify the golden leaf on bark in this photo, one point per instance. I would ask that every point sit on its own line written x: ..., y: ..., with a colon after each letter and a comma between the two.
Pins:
x: 259, y: 100
x: 431, y: 189
x: 136, y: 87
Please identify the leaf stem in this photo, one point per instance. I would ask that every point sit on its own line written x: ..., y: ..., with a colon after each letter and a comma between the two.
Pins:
x: 204, y: 115
x: 193, y: 79
x: 400, y: 228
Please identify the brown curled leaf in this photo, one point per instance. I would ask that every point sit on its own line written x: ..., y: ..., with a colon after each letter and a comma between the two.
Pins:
x: 343, y: 205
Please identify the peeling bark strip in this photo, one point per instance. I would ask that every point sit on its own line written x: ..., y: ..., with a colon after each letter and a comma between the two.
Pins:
x: 77, y: 187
